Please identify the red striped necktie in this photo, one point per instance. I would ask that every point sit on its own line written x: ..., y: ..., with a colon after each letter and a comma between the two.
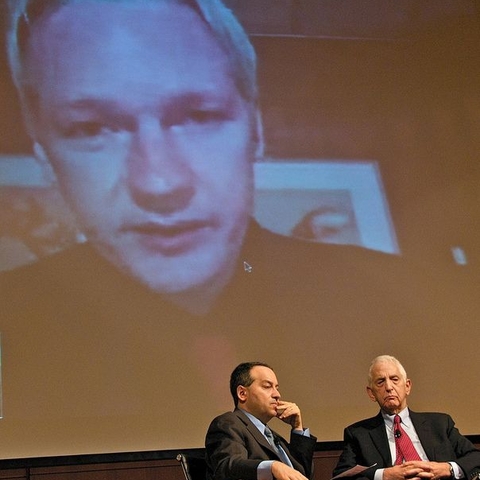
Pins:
x: 405, y: 450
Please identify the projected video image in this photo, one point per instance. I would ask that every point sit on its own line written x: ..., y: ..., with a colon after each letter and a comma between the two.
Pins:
x: 181, y: 192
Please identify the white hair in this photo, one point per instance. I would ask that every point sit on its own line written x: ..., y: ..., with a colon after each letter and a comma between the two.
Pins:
x: 386, y: 359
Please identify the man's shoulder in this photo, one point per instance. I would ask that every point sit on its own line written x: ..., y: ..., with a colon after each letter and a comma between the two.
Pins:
x: 366, y: 423
x: 430, y: 416
x: 229, y: 420
x: 273, y: 249
x: 274, y: 244
x: 303, y: 265
x: 231, y: 416
x: 77, y: 282
x: 68, y: 258
x: 373, y: 422
x: 56, y: 268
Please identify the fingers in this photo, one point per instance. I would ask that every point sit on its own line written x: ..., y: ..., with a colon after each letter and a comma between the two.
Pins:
x: 284, y: 405
x: 429, y: 470
x: 418, y: 470
x: 425, y: 474
x: 287, y: 409
x: 410, y: 471
x: 289, y: 412
x: 281, y: 471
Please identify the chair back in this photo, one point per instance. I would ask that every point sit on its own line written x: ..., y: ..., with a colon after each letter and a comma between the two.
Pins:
x: 194, y: 466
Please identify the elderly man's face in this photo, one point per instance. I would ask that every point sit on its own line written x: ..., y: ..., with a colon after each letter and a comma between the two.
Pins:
x: 389, y: 388
x: 150, y: 140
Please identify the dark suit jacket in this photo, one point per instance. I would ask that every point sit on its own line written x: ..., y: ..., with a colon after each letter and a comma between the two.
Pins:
x: 366, y: 443
x: 235, y: 447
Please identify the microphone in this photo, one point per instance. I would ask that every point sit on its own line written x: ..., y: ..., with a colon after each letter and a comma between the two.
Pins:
x: 398, y: 433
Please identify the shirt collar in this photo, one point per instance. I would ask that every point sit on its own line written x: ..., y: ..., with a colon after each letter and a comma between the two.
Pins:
x: 404, y: 415
x: 259, y: 424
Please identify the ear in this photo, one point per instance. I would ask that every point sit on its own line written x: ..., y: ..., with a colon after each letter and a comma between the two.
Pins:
x: 42, y: 160
x: 370, y: 394
x: 258, y: 135
x: 242, y: 393
x: 408, y: 386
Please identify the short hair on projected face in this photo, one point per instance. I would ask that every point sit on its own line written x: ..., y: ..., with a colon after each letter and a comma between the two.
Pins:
x: 222, y: 23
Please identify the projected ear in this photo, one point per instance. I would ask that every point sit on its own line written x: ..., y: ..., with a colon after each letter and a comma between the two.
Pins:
x: 258, y: 135
x: 42, y: 159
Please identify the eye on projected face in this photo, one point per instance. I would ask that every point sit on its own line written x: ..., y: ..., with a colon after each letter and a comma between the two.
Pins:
x: 149, y: 138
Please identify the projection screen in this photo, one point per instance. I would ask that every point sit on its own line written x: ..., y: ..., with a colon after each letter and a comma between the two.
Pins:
x: 161, y: 223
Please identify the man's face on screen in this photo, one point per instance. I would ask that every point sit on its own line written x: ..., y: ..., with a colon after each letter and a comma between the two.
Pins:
x: 149, y: 138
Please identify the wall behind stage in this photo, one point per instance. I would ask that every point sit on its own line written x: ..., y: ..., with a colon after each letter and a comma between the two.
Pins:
x: 408, y: 106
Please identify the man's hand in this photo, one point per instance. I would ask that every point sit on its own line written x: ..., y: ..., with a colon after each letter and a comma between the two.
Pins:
x: 289, y: 413
x: 282, y: 471
x: 406, y: 471
x: 418, y: 470
x: 438, y: 470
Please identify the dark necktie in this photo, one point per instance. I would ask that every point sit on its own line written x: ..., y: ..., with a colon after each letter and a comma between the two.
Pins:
x: 277, y: 447
x: 405, y: 450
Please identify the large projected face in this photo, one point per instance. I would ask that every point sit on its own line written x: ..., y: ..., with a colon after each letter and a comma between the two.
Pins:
x: 149, y: 138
